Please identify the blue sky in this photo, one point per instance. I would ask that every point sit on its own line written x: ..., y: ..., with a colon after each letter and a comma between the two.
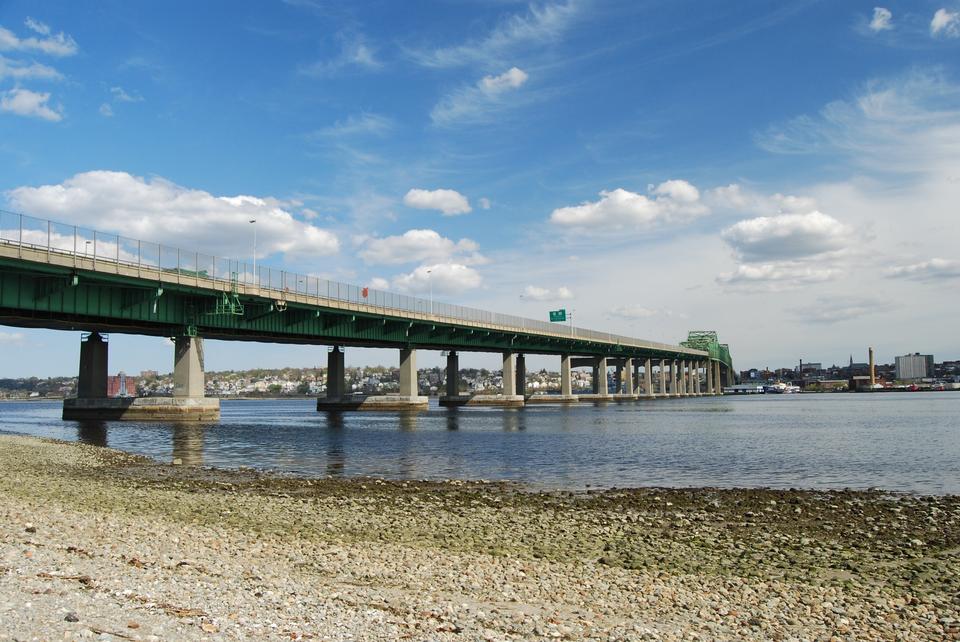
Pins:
x: 784, y: 173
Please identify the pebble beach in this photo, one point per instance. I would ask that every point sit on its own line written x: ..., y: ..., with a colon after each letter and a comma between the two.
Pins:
x: 100, y: 544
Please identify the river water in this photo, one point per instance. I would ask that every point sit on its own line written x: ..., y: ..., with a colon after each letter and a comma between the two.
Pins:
x: 897, y: 441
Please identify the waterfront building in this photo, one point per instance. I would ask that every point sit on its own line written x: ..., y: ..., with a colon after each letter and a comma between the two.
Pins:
x: 914, y: 366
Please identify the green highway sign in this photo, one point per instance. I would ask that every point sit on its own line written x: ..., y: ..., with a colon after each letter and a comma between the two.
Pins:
x: 558, y: 315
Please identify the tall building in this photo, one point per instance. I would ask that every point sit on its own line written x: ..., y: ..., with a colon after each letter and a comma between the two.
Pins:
x: 914, y: 366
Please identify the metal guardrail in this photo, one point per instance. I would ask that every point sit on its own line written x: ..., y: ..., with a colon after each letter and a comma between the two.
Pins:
x: 63, y: 239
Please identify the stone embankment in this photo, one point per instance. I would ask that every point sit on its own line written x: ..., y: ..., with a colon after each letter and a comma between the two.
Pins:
x: 99, y: 544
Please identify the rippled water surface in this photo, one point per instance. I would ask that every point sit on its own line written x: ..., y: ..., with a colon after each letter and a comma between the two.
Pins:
x: 898, y: 441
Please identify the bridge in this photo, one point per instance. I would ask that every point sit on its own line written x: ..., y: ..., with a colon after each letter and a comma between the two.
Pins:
x: 60, y: 276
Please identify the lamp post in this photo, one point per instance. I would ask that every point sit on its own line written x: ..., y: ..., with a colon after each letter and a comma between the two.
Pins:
x: 256, y: 281
x: 430, y: 283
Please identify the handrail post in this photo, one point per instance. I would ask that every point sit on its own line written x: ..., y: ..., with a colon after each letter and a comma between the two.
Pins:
x: 196, y: 268
x: 74, y: 246
x: 94, y: 250
x: 178, y: 265
x: 48, y: 240
x: 20, y: 241
x: 118, y: 254
x: 139, y: 256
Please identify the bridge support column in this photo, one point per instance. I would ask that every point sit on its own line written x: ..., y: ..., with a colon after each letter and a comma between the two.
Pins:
x: 408, y: 373
x: 600, y: 391
x: 92, y: 379
x: 663, y: 377
x: 709, y: 372
x: 566, y: 386
x: 509, y: 397
x: 453, y: 374
x: 188, y: 367
x: 625, y: 380
x: 338, y: 399
x: 520, y: 387
x: 187, y: 403
x: 648, y: 378
x: 674, y: 382
x: 717, y: 379
x: 336, y: 381
x: 682, y: 378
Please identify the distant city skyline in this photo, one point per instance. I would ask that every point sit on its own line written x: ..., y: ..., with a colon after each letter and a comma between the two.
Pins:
x: 786, y: 175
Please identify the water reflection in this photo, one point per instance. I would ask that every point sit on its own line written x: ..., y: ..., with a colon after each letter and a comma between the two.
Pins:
x: 409, y: 421
x: 453, y: 418
x: 92, y: 432
x: 188, y: 444
x: 513, y: 420
x: 336, y: 455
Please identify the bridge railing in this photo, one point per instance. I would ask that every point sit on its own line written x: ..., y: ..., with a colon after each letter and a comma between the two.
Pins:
x: 104, y: 249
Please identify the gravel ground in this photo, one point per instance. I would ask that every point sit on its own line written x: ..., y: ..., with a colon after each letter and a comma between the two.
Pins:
x: 99, y: 544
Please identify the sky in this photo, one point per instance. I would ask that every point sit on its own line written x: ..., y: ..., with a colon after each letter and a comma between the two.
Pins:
x: 787, y: 174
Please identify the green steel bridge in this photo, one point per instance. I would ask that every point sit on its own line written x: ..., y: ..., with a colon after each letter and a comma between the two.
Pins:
x: 59, y: 276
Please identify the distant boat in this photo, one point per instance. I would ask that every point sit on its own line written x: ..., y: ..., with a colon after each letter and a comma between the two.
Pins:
x: 781, y: 388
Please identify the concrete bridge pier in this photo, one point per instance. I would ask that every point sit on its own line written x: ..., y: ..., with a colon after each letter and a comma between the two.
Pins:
x: 566, y: 395
x: 717, y: 379
x: 600, y: 392
x: 338, y: 397
x: 507, y: 399
x: 188, y: 402
x: 648, y: 379
x: 625, y: 391
x: 709, y: 373
x: 520, y: 385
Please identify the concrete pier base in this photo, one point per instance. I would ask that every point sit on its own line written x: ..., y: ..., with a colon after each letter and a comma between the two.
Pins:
x: 143, y: 408
x: 593, y: 397
x: 623, y: 397
x: 552, y: 399
x: 501, y: 401
x: 376, y: 402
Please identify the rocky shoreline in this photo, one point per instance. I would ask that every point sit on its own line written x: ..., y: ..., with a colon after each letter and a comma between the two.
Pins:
x: 100, y: 544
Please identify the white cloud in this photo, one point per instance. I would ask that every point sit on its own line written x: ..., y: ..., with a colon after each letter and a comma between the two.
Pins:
x: 936, y: 269
x: 448, y: 201
x: 121, y: 96
x: 158, y: 210
x: 378, y: 283
x: 945, y: 23
x: 484, y: 203
x: 829, y: 310
x: 513, y: 78
x: 415, y: 246
x: 24, y: 102
x: 477, y: 103
x: 776, y: 276
x: 787, y: 236
x: 543, y: 23
x: 881, y: 20
x: 53, y: 45
x: 536, y: 293
x: 37, y: 26
x: 736, y: 197
x: 907, y: 124
x: 106, y: 110
x: 443, y: 278
x: 355, y: 125
x: 11, y: 338
x: 674, y: 201
x: 636, y: 311
x: 354, y: 53
x: 21, y: 71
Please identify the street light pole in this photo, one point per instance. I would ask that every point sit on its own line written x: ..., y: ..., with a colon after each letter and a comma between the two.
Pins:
x: 430, y: 283
x: 256, y: 281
